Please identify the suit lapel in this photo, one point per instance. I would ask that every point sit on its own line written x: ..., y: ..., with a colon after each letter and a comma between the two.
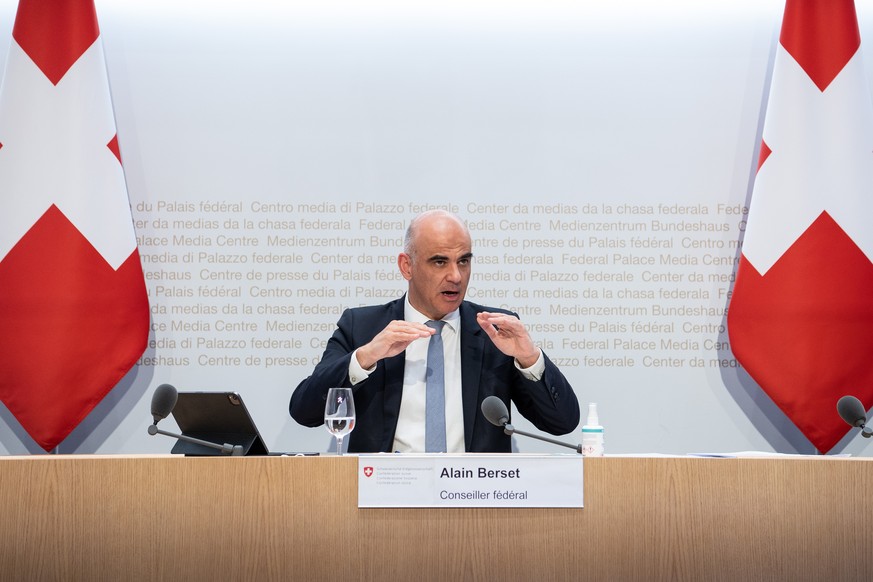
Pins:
x: 394, y: 368
x: 472, y: 340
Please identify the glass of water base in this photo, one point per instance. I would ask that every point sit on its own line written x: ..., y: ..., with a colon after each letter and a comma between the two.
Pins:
x: 339, y: 414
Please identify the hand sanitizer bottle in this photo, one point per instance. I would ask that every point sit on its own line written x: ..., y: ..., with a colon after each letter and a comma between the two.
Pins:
x: 592, y: 434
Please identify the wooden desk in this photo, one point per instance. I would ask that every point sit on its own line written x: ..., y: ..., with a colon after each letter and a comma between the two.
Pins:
x: 296, y: 518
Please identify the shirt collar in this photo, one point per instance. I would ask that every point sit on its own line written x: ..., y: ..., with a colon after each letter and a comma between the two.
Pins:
x: 410, y: 313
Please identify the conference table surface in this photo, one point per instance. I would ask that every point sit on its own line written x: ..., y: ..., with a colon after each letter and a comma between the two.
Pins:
x: 102, y: 517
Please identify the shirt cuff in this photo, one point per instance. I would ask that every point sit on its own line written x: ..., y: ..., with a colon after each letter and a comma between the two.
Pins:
x: 535, y: 372
x: 358, y: 374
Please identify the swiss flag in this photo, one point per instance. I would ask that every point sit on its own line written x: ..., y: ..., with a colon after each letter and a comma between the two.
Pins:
x: 801, y: 316
x: 74, y: 313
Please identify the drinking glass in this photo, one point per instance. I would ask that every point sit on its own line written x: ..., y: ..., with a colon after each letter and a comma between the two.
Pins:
x: 339, y: 414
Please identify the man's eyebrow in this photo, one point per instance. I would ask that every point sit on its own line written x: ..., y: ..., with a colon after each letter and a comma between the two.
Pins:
x: 435, y: 258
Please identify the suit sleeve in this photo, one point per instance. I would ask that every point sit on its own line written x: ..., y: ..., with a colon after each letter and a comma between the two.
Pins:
x: 307, y: 401
x: 550, y: 403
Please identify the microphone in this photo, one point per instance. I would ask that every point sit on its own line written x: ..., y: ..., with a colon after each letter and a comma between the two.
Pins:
x: 163, y: 402
x: 495, y: 411
x: 852, y: 411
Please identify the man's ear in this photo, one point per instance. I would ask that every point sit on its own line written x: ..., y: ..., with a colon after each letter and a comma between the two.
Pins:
x: 404, y: 263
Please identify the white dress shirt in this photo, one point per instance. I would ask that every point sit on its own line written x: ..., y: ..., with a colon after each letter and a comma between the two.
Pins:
x: 410, y: 434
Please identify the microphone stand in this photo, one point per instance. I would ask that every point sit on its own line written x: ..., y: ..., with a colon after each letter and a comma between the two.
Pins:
x: 509, y: 429
x: 226, y: 449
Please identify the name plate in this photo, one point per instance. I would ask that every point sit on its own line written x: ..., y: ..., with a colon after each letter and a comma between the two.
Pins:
x: 469, y: 480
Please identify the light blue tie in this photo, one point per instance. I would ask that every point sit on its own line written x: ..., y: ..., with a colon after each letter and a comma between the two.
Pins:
x: 435, y: 407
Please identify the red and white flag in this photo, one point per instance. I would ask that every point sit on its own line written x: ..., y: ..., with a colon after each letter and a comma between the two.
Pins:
x: 801, y: 316
x: 73, y: 307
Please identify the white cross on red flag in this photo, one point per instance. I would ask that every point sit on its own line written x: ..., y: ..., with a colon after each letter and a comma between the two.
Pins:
x: 800, y: 319
x: 74, y: 312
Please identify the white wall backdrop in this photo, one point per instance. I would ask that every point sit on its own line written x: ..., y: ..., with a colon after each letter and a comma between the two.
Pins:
x: 602, y: 152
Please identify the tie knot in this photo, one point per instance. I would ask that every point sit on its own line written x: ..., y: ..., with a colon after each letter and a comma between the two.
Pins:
x: 436, y: 324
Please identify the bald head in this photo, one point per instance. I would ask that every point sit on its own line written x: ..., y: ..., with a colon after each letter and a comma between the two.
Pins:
x: 436, y: 262
x: 439, y: 219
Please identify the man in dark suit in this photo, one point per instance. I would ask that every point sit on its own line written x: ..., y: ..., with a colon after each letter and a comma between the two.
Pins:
x: 380, y: 352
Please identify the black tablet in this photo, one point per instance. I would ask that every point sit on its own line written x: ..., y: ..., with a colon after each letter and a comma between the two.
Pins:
x: 216, y: 417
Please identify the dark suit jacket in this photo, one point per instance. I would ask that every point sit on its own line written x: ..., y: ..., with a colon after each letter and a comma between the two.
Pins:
x: 549, y: 404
